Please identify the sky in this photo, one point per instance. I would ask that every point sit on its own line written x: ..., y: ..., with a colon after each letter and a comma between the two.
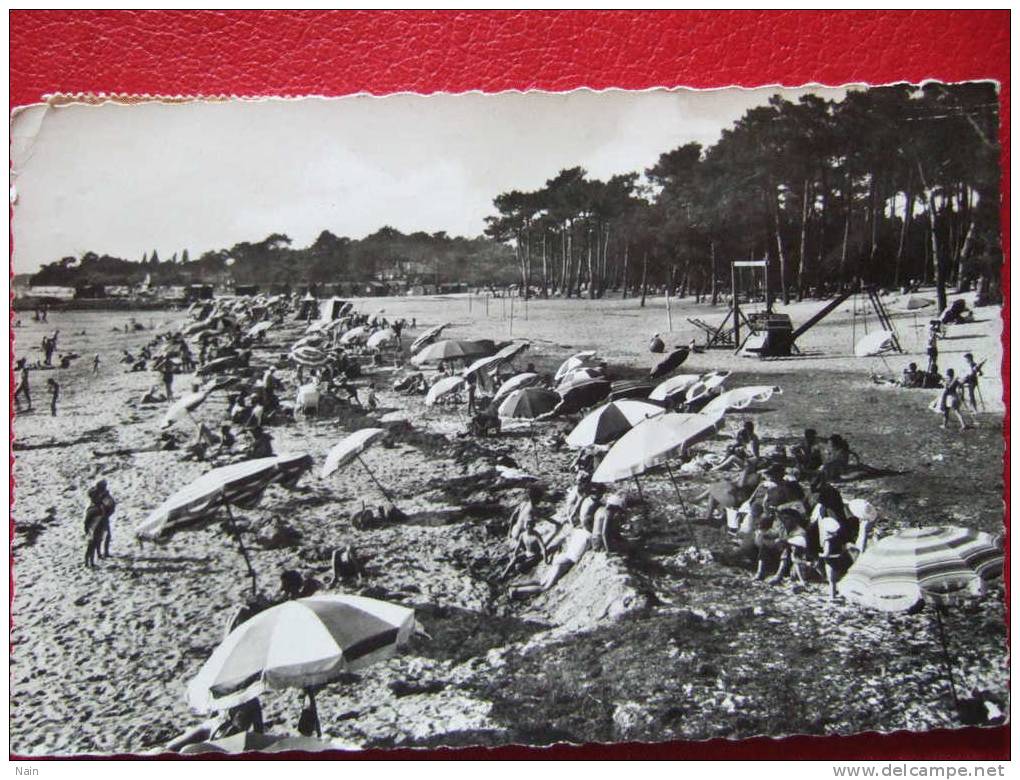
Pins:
x: 124, y: 180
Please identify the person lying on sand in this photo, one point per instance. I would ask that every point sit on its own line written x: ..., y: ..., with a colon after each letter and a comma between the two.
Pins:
x: 571, y: 549
x: 837, y: 460
x: 237, y: 720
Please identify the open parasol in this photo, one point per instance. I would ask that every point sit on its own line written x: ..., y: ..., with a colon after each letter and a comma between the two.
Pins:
x: 350, y: 449
x: 611, y: 421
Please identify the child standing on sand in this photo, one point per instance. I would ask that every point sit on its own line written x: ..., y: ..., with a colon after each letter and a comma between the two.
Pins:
x: 54, y: 394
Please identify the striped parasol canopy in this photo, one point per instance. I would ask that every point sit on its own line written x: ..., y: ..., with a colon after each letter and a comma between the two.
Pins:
x: 708, y: 385
x: 528, y: 403
x: 874, y: 343
x: 428, y: 337
x: 652, y: 443
x: 309, y: 356
x: 578, y: 376
x: 579, y: 360
x: 740, y: 398
x: 940, y: 565
x: 239, y: 484
x: 444, y: 386
x: 299, y: 644
x: 610, y: 421
x: 516, y: 382
x: 482, y: 364
x: 454, y: 350
x: 630, y: 388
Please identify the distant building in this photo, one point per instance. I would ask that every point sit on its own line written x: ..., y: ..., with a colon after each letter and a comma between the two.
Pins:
x: 52, y: 291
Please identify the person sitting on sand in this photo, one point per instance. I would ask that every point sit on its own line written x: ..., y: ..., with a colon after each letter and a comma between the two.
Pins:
x: 261, y: 445
x: 153, y: 396
x: 575, y: 496
x: 295, y: 586
x: 837, y: 460
x: 607, y: 522
x: 570, y: 551
x: 729, y: 494
x: 807, y: 452
x: 370, y: 400
x: 528, y: 551
x: 911, y: 377
x: 834, y: 527
x: 746, y: 448
x: 347, y: 565
x: 523, y: 515
x: 589, y: 506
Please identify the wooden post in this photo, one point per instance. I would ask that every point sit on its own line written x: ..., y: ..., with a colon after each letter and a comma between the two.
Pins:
x: 511, y: 316
x: 735, y: 306
x: 669, y: 314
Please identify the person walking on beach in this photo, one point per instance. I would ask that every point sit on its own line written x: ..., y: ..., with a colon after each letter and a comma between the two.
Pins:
x: 950, y: 401
x: 970, y: 379
x: 22, y: 389
x: 95, y: 364
x: 97, y: 523
x: 54, y: 395
x: 167, y: 371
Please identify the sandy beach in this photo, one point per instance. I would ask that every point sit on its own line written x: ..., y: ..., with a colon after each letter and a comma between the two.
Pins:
x: 671, y: 641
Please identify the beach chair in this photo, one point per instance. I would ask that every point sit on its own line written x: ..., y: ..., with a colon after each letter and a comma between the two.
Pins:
x: 717, y: 336
x: 307, y: 401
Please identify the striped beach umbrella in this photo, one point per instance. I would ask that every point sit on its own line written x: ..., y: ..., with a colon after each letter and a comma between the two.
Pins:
x: 356, y: 334
x: 673, y: 386
x: 311, y: 340
x: 299, y: 644
x: 528, y: 403
x: 942, y: 566
x: 609, y: 422
x: 240, y: 484
x: 576, y: 377
x: 449, y: 349
x: 428, y: 337
x: 516, y: 382
x: 310, y: 356
x: 510, y: 351
x: 630, y: 388
x: 579, y: 360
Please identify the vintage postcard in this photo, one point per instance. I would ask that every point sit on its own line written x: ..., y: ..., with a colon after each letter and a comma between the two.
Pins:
x: 510, y: 419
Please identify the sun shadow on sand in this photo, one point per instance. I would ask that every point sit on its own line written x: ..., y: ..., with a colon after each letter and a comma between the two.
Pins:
x: 459, y: 634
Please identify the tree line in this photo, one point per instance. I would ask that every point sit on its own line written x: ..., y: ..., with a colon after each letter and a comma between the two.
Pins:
x: 387, y: 254
x: 888, y: 186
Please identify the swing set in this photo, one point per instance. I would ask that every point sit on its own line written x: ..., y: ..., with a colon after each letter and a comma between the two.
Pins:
x: 771, y: 334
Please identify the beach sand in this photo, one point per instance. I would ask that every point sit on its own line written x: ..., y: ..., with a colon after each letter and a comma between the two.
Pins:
x: 670, y: 642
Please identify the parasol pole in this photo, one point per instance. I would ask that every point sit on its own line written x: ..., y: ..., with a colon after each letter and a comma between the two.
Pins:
x: 947, y: 661
x: 680, y: 498
x: 640, y: 494
x: 378, y: 484
x: 240, y: 543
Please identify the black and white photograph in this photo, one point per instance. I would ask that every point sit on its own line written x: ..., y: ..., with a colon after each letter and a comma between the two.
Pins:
x: 529, y: 418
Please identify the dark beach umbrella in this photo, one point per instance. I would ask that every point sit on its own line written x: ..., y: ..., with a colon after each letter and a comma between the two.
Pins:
x: 609, y: 422
x: 630, y: 388
x: 669, y: 363
x: 582, y: 395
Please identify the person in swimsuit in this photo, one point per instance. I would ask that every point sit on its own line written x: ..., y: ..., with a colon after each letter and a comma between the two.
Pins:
x: 950, y: 400
x: 571, y: 550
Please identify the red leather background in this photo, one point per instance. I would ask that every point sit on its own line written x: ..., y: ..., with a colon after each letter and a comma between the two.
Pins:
x: 335, y: 53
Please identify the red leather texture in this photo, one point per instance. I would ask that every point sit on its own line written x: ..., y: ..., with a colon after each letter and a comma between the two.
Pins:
x: 253, y: 53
